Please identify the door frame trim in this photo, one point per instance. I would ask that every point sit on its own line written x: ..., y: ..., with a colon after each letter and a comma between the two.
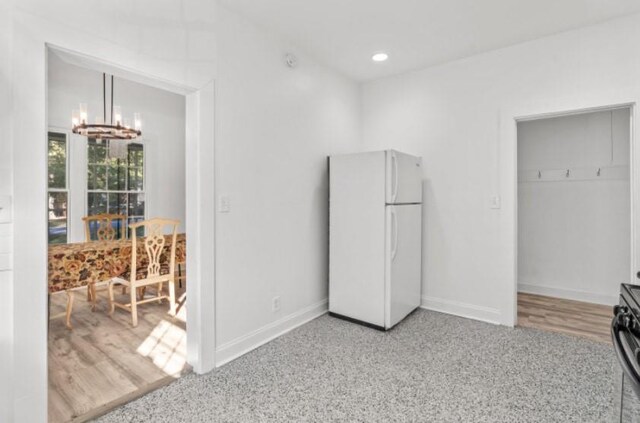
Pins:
x: 507, y: 165
x: 31, y: 41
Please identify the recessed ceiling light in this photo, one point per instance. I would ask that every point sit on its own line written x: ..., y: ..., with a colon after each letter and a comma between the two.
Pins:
x: 379, y: 57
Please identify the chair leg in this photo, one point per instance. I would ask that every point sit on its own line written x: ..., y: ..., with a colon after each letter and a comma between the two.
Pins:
x: 172, y: 297
x: 181, y: 302
x: 69, y: 308
x: 93, y: 295
x: 134, y: 306
x: 159, y: 293
x: 141, y: 293
x: 112, y: 307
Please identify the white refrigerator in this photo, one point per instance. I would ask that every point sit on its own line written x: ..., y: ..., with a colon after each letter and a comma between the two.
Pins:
x: 375, y: 237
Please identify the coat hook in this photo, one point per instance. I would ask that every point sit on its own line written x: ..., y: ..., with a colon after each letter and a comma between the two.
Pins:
x: 598, y: 171
x: 539, y: 174
x: 568, y: 173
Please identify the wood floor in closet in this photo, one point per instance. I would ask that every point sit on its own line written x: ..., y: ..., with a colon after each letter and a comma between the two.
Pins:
x: 575, y: 318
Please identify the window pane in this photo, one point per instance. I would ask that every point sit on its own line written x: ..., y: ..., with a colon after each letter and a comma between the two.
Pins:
x: 97, y: 177
x: 57, y: 160
x: 57, y: 218
x: 136, y: 182
x: 136, y: 155
x: 117, y: 176
x: 118, y: 203
x: 136, y: 205
x: 97, y: 153
x: 97, y: 203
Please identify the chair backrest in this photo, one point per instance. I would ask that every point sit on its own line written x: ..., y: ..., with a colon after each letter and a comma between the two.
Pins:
x: 103, y: 224
x: 155, y: 242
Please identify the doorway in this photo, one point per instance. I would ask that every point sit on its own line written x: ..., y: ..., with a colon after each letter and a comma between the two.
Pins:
x: 99, y: 190
x: 33, y: 38
x: 574, y: 214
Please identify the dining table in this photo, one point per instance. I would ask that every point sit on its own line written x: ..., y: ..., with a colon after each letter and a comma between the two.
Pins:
x: 86, y: 264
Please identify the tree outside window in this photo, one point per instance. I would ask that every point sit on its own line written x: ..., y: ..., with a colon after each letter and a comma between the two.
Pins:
x: 58, y: 189
x: 116, y: 186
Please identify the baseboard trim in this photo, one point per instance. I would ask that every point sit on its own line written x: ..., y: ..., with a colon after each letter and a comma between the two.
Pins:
x: 469, y: 311
x: 568, y: 294
x: 238, y: 347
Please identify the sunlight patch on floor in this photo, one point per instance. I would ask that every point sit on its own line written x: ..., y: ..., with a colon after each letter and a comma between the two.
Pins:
x: 166, y: 346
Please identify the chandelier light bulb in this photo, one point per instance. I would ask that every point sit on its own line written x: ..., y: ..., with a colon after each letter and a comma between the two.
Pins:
x: 83, y: 113
x: 75, y: 117
x: 117, y: 115
x: 137, y: 122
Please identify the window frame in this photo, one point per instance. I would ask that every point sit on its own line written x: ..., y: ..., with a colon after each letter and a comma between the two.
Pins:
x: 67, y: 170
x: 126, y: 192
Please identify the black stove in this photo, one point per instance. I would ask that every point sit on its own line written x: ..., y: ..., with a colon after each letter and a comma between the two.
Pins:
x: 625, y: 335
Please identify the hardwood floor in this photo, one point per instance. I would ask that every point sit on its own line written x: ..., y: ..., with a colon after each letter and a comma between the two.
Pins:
x: 586, y: 320
x: 105, y: 362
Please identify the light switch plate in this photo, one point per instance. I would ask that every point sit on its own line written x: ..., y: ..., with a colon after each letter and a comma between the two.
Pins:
x: 495, y: 202
x: 5, y: 209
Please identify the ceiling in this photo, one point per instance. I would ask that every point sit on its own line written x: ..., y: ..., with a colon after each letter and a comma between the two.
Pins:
x: 344, y: 34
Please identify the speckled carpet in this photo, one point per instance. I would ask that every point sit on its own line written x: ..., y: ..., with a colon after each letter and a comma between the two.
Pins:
x: 431, y: 368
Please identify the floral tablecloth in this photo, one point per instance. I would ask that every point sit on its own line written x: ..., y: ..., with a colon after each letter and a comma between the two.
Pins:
x: 77, y: 265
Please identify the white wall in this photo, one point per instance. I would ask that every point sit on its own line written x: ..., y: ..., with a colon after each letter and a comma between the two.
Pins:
x: 574, y: 233
x: 6, y: 229
x: 460, y: 118
x: 275, y: 127
x: 163, y: 115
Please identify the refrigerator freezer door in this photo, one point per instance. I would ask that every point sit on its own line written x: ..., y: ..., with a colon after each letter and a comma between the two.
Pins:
x: 403, y: 262
x: 404, y: 178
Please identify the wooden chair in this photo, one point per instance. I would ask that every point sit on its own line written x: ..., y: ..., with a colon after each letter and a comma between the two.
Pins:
x: 104, y: 232
x: 157, y: 271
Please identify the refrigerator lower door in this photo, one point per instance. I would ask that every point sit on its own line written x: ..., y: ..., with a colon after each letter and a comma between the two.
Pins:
x: 404, y: 178
x: 403, y: 262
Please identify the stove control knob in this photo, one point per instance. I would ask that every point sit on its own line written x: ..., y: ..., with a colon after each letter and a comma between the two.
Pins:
x: 618, y: 309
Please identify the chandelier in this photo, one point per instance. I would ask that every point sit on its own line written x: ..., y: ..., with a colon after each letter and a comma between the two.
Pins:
x: 118, y: 133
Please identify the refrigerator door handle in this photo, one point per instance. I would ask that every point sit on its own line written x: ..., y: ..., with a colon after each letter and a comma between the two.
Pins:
x: 394, y: 229
x: 394, y: 167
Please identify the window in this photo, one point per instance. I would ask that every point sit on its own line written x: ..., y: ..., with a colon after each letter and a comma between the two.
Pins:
x: 116, y: 186
x: 58, y: 187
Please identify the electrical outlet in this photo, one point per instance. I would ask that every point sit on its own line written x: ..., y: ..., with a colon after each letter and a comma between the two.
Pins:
x: 275, y: 305
x: 224, y: 204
